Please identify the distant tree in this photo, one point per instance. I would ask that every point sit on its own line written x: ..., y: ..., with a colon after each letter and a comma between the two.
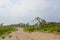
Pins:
x: 27, y: 24
x: 51, y: 22
x: 1, y: 24
x: 21, y: 24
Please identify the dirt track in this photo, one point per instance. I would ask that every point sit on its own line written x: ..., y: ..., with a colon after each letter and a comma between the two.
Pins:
x: 20, y: 35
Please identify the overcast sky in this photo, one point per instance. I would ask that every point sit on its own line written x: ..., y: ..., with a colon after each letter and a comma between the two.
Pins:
x: 17, y: 11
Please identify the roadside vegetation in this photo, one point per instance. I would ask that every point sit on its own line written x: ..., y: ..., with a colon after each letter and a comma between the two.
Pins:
x: 6, y: 30
x: 44, y: 28
x: 51, y: 28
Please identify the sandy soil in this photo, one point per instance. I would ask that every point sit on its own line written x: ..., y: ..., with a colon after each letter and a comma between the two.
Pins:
x: 20, y: 35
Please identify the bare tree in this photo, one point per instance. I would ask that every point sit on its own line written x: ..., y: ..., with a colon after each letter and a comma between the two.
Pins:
x: 40, y: 21
x: 43, y: 22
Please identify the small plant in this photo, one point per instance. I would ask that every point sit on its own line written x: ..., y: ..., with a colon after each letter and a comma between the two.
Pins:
x: 9, y: 36
x: 3, y: 37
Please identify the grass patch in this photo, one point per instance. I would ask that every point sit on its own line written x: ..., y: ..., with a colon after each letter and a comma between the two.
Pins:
x: 29, y: 29
x: 6, y: 30
x: 55, y: 28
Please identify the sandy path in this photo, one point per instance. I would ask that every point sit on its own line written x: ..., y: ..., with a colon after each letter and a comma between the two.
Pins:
x: 44, y: 36
x: 20, y: 35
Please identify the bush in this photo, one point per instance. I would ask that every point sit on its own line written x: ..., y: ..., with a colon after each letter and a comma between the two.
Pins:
x: 29, y: 29
x: 3, y: 37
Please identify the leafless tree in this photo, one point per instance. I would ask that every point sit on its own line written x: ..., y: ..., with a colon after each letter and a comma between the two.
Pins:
x: 40, y: 21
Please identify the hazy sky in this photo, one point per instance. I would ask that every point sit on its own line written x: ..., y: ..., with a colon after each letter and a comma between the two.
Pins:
x: 17, y: 11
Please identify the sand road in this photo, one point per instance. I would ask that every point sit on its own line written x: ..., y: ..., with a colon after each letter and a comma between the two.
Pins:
x: 20, y: 35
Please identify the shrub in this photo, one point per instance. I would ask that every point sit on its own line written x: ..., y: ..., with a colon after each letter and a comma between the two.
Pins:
x: 29, y: 29
x: 3, y: 37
